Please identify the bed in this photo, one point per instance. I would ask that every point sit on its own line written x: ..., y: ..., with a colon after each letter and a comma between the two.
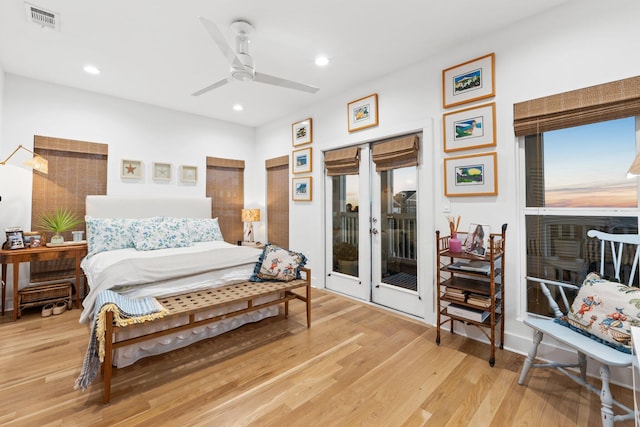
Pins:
x: 138, y: 272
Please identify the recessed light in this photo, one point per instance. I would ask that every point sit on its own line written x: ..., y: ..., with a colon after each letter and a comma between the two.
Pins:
x: 321, y: 61
x: 237, y: 107
x: 91, y: 69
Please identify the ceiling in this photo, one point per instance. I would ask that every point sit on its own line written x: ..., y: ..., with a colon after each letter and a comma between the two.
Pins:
x: 158, y: 53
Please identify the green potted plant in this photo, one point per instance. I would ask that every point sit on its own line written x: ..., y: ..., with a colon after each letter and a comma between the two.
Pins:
x: 57, y: 222
x: 346, y: 255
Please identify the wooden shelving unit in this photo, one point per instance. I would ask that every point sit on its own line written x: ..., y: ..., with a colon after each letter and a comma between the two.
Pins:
x: 470, y: 296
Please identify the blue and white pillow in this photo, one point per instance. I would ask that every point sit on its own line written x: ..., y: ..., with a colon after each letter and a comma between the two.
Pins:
x: 106, y: 234
x: 204, y: 229
x: 161, y: 233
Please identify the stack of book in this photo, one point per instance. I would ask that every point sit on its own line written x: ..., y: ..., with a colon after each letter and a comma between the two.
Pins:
x: 467, y: 313
x: 454, y: 294
x: 481, y: 301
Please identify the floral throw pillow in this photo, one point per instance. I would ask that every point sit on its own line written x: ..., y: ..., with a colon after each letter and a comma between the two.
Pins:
x: 161, y: 233
x: 604, y: 311
x: 278, y: 264
x: 204, y: 229
x: 107, y: 234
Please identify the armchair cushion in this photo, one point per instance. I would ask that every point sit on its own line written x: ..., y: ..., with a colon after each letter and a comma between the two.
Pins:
x: 605, y: 310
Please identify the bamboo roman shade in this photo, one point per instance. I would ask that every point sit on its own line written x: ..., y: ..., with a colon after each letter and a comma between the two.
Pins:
x: 608, y: 101
x: 396, y: 153
x: 345, y: 161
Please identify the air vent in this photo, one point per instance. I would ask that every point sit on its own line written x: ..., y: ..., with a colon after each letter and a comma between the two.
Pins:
x: 42, y: 17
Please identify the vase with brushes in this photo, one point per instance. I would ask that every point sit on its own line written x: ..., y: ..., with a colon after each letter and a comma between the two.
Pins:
x: 455, y: 245
x: 58, y: 221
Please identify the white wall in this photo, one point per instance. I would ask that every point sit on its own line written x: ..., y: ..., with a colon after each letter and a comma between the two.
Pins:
x: 132, y: 130
x: 579, y: 45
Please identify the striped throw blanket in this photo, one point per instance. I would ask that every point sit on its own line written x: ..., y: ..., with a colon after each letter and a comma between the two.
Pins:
x: 126, y: 311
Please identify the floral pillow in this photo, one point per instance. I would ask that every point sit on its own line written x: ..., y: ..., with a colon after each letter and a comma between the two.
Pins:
x: 604, y: 311
x: 161, y: 233
x: 106, y: 234
x: 204, y: 229
x: 278, y: 264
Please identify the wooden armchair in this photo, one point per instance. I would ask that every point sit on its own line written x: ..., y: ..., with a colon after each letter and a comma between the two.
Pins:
x: 585, y: 346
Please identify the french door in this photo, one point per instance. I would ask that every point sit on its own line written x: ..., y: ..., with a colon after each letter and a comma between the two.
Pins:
x: 372, y: 235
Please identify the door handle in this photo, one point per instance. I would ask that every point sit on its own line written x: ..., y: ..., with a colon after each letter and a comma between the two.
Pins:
x: 374, y: 231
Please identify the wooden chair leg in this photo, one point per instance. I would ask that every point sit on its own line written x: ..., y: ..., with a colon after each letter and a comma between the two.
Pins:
x: 531, y: 356
x: 606, y: 398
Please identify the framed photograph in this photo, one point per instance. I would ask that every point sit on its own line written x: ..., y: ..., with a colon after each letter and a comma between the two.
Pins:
x: 161, y: 171
x: 188, y: 173
x: 33, y: 239
x: 363, y: 113
x: 301, y: 132
x: 301, y: 189
x: 301, y: 160
x: 474, y: 175
x: 477, y: 241
x: 15, y: 239
x: 468, y: 82
x: 470, y: 128
x: 131, y: 169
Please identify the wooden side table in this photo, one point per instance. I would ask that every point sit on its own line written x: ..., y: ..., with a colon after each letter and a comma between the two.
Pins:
x: 42, y: 253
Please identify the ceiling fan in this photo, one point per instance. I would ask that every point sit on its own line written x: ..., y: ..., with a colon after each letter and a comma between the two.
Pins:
x: 242, y: 66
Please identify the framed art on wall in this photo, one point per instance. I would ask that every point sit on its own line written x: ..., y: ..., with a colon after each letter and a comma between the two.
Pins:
x: 363, y: 113
x: 470, y: 128
x: 302, y: 132
x: 473, y: 175
x: 301, y: 160
x: 301, y: 189
x: 162, y: 171
x: 131, y: 169
x: 188, y: 173
x: 469, y: 81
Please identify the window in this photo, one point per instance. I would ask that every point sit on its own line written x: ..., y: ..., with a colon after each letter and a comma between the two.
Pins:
x: 576, y: 181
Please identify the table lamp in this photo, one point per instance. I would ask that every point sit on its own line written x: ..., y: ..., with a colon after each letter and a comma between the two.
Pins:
x: 249, y: 216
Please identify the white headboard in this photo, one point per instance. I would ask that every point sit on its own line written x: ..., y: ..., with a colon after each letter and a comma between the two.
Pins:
x: 147, y: 206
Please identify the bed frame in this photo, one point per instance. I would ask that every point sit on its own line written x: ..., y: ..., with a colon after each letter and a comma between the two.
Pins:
x: 583, y: 346
x: 247, y: 294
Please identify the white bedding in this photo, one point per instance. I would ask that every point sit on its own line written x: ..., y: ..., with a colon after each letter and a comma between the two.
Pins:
x: 165, y: 272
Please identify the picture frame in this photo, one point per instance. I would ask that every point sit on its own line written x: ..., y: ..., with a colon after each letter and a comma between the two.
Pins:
x: 363, y: 113
x: 15, y: 239
x: 470, y: 81
x: 34, y: 239
x: 188, y: 173
x: 471, y: 175
x: 301, y: 189
x: 302, y: 132
x: 301, y: 160
x: 161, y: 171
x: 131, y: 169
x: 477, y: 241
x: 473, y: 127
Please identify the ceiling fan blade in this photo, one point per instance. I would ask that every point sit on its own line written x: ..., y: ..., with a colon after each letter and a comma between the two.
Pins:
x: 277, y: 81
x: 217, y: 37
x: 211, y: 87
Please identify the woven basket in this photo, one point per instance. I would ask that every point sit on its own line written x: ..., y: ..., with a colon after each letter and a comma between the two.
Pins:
x: 33, y: 296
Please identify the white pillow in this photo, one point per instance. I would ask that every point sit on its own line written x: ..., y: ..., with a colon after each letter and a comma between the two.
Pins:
x: 161, y: 233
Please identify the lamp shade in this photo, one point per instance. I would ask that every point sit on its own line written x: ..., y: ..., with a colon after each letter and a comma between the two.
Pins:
x: 634, y: 169
x: 37, y: 162
x: 250, y: 215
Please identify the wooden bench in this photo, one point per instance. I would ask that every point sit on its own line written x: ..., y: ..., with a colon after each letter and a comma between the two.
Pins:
x: 191, y: 304
x: 584, y: 346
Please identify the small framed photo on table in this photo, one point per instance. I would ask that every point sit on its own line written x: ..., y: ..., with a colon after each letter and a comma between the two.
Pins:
x: 34, y: 239
x: 301, y: 132
x: 15, y: 239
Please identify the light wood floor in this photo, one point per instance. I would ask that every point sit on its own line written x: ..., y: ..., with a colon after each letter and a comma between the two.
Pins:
x: 357, y: 365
